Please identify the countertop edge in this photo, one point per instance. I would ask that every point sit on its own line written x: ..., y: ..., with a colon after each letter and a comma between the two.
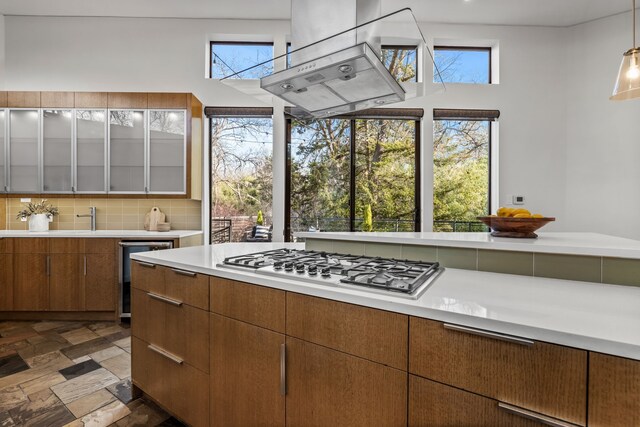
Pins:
x: 125, y: 234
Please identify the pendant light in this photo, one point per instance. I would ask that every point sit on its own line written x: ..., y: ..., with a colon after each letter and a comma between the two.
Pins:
x: 628, y: 83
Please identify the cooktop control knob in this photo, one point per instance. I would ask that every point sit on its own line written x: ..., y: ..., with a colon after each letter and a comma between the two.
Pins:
x: 278, y: 265
x: 288, y: 266
x: 325, y: 271
x: 300, y: 268
x: 312, y: 270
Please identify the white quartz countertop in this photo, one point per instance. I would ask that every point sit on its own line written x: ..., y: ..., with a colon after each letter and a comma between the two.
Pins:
x: 142, y: 234
x: 592, y: 244
x: 590, y: 316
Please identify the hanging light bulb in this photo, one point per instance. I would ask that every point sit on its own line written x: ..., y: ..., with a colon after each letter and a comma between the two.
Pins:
x: 628, y: 82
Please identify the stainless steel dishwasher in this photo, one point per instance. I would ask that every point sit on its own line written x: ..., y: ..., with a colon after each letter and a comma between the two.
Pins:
x: 128, y: 247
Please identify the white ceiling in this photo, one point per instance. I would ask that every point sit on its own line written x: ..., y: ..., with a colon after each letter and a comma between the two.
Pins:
x: 500, y: 12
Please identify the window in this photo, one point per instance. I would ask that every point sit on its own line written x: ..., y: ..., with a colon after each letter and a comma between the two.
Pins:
x: 241, y: 171
x: 401, y: 61
x: 340, y: 168
x: 228, y: 58
x: 463, y: 64
x: 462, y: 169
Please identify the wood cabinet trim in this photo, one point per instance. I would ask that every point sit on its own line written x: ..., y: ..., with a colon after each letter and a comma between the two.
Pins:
x: 57, y: 99
x: 164, y: 100
x: 127, y: 100
x: 90, y: 100
x: 23, y: 99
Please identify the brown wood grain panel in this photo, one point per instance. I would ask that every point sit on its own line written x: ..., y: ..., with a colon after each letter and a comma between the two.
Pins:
x: 147, y: 277
x: 614, y: 391
x: 57, y: 315
x: 90, y: 99
x: 377, y: 335
x: 127, y: 100
x: 183, y: 331
x: 433, y: 405
x: 23, y: 99
x: 57, y: 99
x: 329, y: 388
x: 29, y: 245
x: 65, y: 245
x: 181, y: 389
x: 3, y: 99
x: 66, y: 292
x: 512, y: 373
x: 4, y: 247
x: 167, y: 100
x: 258, y: 305
x: 100, y: 246
x: 245, y: 375
x: 6, y: 281
x: 30, y: 281
x: 100, y: 281
x: 191, y: 289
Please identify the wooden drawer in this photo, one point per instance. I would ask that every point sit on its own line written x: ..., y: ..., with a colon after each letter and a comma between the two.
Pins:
x: 100, y: 246
x: 147, y: 277
x: 433, y: 404
x: 545, y: 378
x: 189, y: 287
x: 65, y: 246
x: 377, y: 335
x: 258, y: 305
x: 3, y: 246
x: 179, y: 387
x: 29, y: 245
x: 180, y: 329
x: 614, y: 387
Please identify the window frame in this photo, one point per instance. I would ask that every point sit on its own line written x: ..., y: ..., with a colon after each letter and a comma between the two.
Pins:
x: 488, y: 49
x: 233, y: 43
x: 353, y: 118
x: 405, y: 47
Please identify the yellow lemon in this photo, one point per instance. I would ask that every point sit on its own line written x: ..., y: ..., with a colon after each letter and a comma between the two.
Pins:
x: 522, y: 215
x: 537, y: 216
x: 515, y: 212
x: 504, y: 211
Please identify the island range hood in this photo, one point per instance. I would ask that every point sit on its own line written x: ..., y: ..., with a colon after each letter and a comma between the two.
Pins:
x: 335, y: 63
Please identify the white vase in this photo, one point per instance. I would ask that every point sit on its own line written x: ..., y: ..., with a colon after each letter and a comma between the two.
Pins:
x: 39, y: 222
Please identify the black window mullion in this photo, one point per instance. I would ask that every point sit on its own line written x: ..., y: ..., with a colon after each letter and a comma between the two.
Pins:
x: 416, y: 177
x: 352, y: 179
x: 287, y: 184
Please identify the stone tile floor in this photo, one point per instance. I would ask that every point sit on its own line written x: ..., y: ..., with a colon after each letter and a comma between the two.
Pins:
x: 58, y: 373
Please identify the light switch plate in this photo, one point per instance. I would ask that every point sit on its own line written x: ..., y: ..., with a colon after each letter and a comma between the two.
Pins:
x: 518, y: 200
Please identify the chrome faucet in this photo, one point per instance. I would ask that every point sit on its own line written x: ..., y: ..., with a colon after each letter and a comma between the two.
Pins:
x: 92, y: 215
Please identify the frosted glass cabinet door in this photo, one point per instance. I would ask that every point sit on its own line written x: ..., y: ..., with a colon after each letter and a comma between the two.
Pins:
x: 57, y: 136
x: 23, y: 151
x: 167, y: 151
x: 3, y: 163
x: 90, y: 151
x: 126, y: 145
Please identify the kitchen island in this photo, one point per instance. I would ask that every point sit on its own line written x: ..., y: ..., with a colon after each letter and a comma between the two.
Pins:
x: 506, y: 345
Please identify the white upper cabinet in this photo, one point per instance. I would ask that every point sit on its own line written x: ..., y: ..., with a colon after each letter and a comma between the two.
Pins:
x: 24, y: 151
x: 91, y: 151
x: 57, y: 151
x: 167, y: 151
x: 127, y: 145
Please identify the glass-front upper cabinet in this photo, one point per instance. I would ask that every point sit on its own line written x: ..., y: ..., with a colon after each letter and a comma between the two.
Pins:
x: 3, y: 168
x: 57, y: 151
x: 167, y: 144
x: 24, y: 153
x: 127, y: 151
x: 91, y: 151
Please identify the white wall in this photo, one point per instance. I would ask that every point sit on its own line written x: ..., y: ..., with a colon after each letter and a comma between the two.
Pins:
x: 120, y: 54
x: 603, y: 137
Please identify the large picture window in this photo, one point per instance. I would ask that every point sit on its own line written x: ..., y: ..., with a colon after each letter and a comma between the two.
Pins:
x: 352, y: 174
x: 228, y: 58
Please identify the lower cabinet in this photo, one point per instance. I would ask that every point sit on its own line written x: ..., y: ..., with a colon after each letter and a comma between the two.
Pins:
x: 100, y: 278
x: 65, y: 287
x: 30, y: 282
x: 247, y: 381
x: 6, y: 282
x: 329, y: 388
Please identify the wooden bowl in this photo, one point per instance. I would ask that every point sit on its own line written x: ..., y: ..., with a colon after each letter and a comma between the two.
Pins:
x: 522, y: 228
x: 164, y: 226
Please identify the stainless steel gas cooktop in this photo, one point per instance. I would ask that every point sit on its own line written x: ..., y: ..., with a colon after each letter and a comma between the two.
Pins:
x: 402, y: 278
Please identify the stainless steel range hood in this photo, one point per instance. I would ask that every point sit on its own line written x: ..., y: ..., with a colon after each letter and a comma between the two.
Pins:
x: 335, y: 64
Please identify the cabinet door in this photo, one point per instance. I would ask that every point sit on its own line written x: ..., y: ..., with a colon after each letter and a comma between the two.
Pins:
x: 127, y: 151
x: 245, y: 375
x: 24, y: 130
x: 57, y: 137
x: 65, y: 286
x: 6, y: 282
x: 614, y: 387
x: 167, y: 148
x: 30, y: 281
x: 91, y: 151
x: 3, y: 162
x: 330, y: 388
x: 100, y: 281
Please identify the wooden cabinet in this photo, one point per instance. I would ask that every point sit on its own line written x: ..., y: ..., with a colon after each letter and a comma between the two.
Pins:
x: 127, y: 100
x: 100, y: 274
x: 6, y: 281
x: 65, y: 286
x: 614, y: 387
x: 57, y: 99
x: 30, y: 282
x: 246, y: 374
x: 330, y: 388
x: 23, y: 99
x: 545, y: 378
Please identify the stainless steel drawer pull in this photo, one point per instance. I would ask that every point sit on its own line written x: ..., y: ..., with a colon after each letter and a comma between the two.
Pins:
x: 184, y: 273
x: 165, y: 299
x: 487, y: 334
x: 146, y: 264
x: 165, y: 353
x: 543, y: 419
x: 283, y: 369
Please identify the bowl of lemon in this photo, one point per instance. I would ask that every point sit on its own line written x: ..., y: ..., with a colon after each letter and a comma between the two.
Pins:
x: 515, y: 222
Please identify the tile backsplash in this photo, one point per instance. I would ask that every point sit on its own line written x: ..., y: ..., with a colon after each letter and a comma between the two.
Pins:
x: 112, y: 214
